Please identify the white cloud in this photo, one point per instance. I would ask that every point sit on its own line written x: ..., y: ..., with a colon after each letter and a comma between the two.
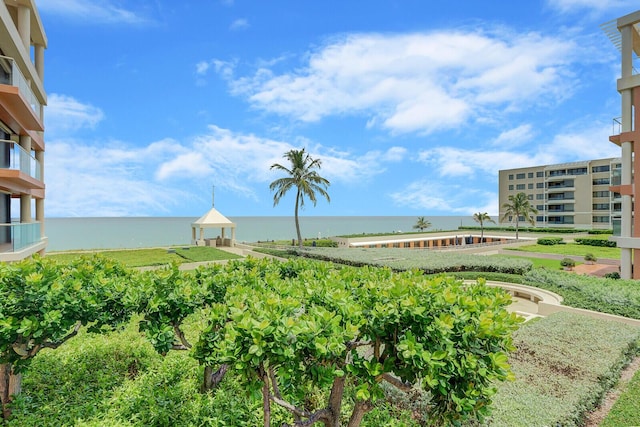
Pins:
x: 91, y: 11
x: 460, y: 162
x: 515, y: 137
x: 107, y: 179
x: 237, y: 160
x: 421, y: 82
x: 65, y: 114
x: 445, y: 198
x: 239, y: 24
x: 567, y: 6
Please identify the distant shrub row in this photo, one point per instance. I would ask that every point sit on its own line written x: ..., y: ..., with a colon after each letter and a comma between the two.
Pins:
x: 621, y: 297
x: 527, y: 229
x: 430, y: 262
x: 550, y: 241
x: 589, y: 241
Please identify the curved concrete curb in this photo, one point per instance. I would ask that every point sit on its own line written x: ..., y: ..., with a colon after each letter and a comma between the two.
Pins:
x: 530, y: 302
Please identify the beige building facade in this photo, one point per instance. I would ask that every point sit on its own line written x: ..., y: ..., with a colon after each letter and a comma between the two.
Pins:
x: 624, y: 32
x: 22, y: 102
x: 572, y: 195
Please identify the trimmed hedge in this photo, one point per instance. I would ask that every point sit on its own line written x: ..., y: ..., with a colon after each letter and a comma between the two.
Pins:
x: 430, y: 262
x: 550, y: 241
x: 564, y: 365
x: 527, y: 229
x: 592, y: 241
x: 614, y: 296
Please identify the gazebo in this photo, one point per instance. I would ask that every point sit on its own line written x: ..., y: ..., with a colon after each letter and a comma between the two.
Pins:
x: 213, y: 219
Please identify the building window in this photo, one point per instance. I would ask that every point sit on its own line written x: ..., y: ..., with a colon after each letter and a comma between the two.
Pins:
x: 540, y: 196
x: 510, y: 186
x: 540, y: 207
x: 600, y: 194
x: 540, y: 174
x: 520, y: 176
x: 601, y: 206
x: 540, y: 185
x: 558, y: 172
x: 601, y: 181
x: 597, y: 169
x: 530, y: 186
x: 601, y: 218
x: 577, y: 171
x: 520, y: 187
x: 540, y: 218
x: 529, y: 196
x: 530, y: 175
x: 510, y: 177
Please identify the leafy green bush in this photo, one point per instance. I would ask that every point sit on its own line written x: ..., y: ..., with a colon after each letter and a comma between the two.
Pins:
x: 612, y: 275
x: 609, y: 231
x: 77, y: 380
x: 589, y: 257
x: 550, y: 241
x: 567, y: 262
x: 429, y: 261
x: 621, y: 297
x: 563, y: 366
x: 593, y: 241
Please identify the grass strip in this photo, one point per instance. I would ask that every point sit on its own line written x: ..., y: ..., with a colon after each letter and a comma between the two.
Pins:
x: 626, y: 410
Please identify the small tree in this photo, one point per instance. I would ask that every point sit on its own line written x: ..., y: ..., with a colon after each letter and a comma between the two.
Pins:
x: 590, y: 258
x: 286, y: 331
x: 567, y: 263
x: 482, y: 217
x: 422, y: 224
x: 302, y: 175
x: 519, y: 206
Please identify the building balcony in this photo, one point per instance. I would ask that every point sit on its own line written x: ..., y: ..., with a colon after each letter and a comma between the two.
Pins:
x: 19, y: 106
x: 19, y: 240
x: 19, y: 170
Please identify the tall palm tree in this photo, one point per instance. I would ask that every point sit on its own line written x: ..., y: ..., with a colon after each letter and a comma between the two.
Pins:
x: 518, y: 207
x: 422, y: 223
x: 481, y: 217
x: 301, y: 175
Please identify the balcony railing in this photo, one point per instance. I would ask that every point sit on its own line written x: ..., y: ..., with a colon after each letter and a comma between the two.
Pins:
x: 17, y: 236
x: 13, y: 156
x: 11, y: 75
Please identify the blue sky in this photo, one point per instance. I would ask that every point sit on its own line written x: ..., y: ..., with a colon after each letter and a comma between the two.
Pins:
x: 413, y: 106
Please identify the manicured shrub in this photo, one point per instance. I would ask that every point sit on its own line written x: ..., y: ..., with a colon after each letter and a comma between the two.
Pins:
x: 567, y: 262
x: 595, y: 242
x: 621, y: 297
x: 550, y: 241
x: 612, y: 275
x: 563, y: 366
x: 589, y: 257
x: 429, y: 261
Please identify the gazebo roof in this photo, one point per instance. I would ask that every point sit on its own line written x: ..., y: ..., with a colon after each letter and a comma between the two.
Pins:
x: 213, y: 218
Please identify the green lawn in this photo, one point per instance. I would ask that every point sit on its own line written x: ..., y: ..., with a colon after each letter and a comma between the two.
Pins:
x: 154, y: 256
x: 571, y: 249
x: 551, y: 264
x: 626, y: 410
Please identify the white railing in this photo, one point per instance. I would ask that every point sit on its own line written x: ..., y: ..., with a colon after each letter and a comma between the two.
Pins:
x: 17, y: 236
x: 10, y: 74
x: 17, y: 158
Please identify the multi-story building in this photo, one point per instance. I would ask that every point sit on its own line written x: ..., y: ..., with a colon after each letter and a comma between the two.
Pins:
x: 575, y: 195
x: 22, y: 101
x: 625, y: 34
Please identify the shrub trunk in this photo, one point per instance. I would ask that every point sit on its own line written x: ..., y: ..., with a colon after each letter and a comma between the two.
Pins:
x: 10, y: 385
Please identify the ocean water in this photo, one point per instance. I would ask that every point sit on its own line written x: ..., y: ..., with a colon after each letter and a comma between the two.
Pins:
x: 142, y: 232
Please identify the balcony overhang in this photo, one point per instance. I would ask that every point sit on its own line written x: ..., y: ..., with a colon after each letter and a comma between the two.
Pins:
x: 16, y: 112
x: 15, y: 181
x: 625, y: 190
x: 625, y: 137
x: 25, y: 252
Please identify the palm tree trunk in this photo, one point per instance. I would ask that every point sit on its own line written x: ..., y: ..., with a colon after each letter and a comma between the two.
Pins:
x: 297, y: 221
x: 516, y: 229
